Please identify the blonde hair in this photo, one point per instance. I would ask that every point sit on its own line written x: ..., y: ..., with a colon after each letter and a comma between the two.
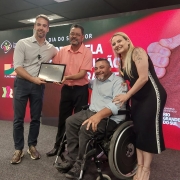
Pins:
x: 127, y: 60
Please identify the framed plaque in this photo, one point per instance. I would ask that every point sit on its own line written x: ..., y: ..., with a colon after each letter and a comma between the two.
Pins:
x: 52, y: 72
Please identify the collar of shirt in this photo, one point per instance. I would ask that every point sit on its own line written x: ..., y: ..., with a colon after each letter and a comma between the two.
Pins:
x: 111, y: 77
x: 33, y: 39
x: 80, y: 50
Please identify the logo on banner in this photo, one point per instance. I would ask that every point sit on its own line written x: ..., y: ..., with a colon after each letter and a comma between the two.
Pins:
x: 9, y: 71
x: 170, y: 118
x: 6, y: 46
x: 7, y: 92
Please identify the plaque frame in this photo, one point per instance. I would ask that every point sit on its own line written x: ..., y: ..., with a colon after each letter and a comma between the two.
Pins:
x: 52, y: 72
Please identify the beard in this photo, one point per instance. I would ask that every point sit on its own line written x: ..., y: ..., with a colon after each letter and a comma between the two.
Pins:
x: 74, y: 42
x: 40, y: 34
x: 100, y: 77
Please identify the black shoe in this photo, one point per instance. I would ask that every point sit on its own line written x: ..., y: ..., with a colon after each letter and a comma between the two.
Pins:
x: 57, y: 165
x: 64, y: 166
x: 53, y: 152
x: 74, y: 172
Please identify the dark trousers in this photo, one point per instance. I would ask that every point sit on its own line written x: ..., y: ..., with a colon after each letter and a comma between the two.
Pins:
x: 23, y: 91
x: 77, y: 136
x: 72, y: 100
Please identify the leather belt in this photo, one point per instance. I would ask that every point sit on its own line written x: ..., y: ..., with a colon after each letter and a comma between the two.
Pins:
x: 75, y: 86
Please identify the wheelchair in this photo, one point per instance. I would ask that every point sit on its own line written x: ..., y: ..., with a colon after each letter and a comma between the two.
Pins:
x: 119, y: 148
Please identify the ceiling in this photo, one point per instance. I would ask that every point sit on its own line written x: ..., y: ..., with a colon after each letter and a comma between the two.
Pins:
x: 11, y: 11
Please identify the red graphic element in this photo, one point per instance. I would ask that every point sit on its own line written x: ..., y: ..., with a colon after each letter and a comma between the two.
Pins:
x: 128, y: 84
x: 8, y: 91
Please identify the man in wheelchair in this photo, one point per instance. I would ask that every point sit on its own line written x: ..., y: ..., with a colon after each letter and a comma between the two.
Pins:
x: 86, y: 124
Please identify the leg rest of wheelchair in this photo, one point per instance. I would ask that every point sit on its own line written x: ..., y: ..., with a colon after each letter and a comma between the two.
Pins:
x: 89, y: 154
x: 60, y: 151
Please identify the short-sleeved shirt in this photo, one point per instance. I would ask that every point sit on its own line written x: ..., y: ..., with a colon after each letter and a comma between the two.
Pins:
x: 29, y: 54
x: 75, y: 61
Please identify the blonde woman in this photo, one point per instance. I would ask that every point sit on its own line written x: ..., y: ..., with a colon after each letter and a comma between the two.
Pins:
x: 148, y: 99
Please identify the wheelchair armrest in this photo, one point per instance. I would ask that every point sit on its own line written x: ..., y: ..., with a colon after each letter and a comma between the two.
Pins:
x: 123, y: 112
x: 85, y: 107
x: 120, y: 112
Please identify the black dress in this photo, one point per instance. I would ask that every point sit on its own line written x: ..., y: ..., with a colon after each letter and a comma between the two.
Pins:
x: 147, y: 111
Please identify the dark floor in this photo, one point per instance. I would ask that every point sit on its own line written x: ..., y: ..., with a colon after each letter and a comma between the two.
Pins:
x: 164, y: 167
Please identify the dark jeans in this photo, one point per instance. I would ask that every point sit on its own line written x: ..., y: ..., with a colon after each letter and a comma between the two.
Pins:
x: 77, y: 136
x: 72, y: 100
x: 23, y: 91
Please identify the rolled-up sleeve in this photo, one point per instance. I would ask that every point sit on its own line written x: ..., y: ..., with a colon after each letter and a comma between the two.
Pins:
x: 118, y: 88
x: 113, y: 107
x: 18, y: 57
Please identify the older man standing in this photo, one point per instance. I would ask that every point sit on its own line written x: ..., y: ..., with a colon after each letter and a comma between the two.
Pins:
x: 74, y: 93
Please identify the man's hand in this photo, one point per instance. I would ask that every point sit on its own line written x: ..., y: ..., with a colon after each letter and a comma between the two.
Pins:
x: 60, y: 83
x: 160, y: 53
x: 64, y: 79
x: 39, y: 81
x: 93, y: 121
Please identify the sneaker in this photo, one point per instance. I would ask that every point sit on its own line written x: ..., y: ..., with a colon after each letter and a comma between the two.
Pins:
x: 32, y: 151
x: 74, y: 172
x: 17, y: 156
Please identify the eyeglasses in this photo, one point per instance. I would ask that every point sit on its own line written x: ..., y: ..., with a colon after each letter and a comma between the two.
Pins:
x: 75, y: 34
x: 39, y: 56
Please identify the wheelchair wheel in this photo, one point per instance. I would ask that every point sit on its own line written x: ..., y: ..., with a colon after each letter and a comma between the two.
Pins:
x: 122, y: 154
x: 105, y: 177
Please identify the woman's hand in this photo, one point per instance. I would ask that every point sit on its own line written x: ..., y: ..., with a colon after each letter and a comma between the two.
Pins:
x: 121, y: 99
